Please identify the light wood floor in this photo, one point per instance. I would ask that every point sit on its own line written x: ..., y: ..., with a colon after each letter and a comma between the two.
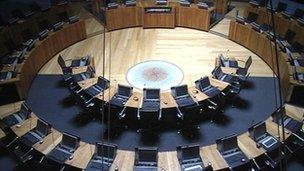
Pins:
x: 192, y: 50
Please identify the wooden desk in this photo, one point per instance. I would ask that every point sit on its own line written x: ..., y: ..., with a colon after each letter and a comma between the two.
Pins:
x: 295, y: 112
x: 49, y: 142
x: 265, y: 48
x: 135, y: 100
x: 45, y: 50
x: 221, y: 6
x: 9, y: 109
x: 26, y: 126
x: 124, y: 160
x: 167, y: 100
x: 193, y: 17
x: 210, y: 154
x: 158, y: 19
x: 168, y: 161
x: 248, y: 146
x: 82, y: 156
x: 123, y: 17
x: 272, y: 128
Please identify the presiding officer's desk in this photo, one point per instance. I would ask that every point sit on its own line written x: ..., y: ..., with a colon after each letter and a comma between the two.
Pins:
x: 149, y: 15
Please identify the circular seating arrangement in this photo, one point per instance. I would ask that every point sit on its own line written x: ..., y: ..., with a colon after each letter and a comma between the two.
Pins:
x: 35, y: 142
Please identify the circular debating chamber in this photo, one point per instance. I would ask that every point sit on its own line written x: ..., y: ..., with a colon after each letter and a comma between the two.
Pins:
x: 144, y: 85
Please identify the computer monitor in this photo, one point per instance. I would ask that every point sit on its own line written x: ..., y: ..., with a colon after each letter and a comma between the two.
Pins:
x: 152, y: 94
x: 181, y: 90
x: 125, y: 91
x: 258, y: 130
x: 190, y: 152
x: 103, y: 83
x: 106, y: 150
x: 147, y: 155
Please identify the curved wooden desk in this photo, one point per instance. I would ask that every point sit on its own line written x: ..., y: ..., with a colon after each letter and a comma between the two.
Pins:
x: 166, y: 99
x: 192, y: 17
x: 264, y: 48
x: 125, y: 159
x: 45, y: 50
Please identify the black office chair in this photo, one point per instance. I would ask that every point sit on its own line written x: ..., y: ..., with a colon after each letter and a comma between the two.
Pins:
x: 146, y: 159
x: 224, y: 62
x: 183, y: 99
x: 65, y: 149
x: 18, y: 117
x: 233, y: 155
x: 84, y: 61
x: 101, y: 85
x: 89, y: 73
x: 7, y: 75
x: 37, y: 134
x: 259, y: 134
x: 288, y: 122
x: 150, y: 112
x: 21, y: 151
x: 120, y: 98
x: 231, y: 79
x: 103, y: 157
x: 260, y: 162
x: 189, y: 158
x: 243, y: 72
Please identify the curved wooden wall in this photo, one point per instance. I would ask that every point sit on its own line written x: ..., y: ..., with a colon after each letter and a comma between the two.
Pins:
x: 264, y: 48
x: 45, y: 50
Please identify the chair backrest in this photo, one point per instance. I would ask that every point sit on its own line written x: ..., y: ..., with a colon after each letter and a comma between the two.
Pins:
x: 202, y: 83
x: 217, y: 72
x: 25, y: 111
x: 103, y: 83
x: 298, y: 13
x: 252, y: 17
x: 106, y: 150
x: 278, y: 114
x: 70, y: 141
x: 151, y: 93
x: 43, y: 127
x: 281, y: 7
x: 178, y: 91
x: 61, y: 62
x: 289, y: 35
x: 90, y: 71
x: 144, y: 154
x: 124, y: 90
x: 188, y: 152
x: 222, y: 60
x: 227, y: 143
x: 248, y: 62
x: 257, y: 130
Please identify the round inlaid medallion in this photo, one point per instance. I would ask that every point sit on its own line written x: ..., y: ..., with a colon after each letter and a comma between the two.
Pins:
x: 154, y: 74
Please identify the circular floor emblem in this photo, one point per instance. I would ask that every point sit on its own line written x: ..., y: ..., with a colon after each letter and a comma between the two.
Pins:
x: 155, y: 74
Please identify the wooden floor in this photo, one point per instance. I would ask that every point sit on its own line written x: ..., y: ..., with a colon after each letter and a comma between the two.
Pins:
x: 192, y: 50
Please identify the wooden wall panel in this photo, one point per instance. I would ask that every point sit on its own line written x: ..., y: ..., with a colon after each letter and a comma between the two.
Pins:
x: 45, y: 50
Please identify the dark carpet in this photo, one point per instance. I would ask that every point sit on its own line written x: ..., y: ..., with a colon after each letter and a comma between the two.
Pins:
x: 47, y: 100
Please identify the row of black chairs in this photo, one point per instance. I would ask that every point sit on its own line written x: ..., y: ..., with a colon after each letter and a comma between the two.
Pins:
x: 286, y: 43
x: 150, y: 112
x: 146, y: 158
x: 16, y: 52
x: 280, y: 8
